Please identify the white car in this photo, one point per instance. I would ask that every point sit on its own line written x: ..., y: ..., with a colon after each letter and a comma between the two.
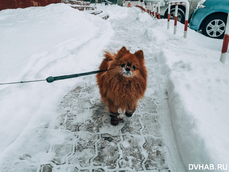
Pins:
x: 164, y: 8
x: 181, y: 9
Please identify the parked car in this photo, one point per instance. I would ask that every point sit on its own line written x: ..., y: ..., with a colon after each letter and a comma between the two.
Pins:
x: 210, y: 18
x: 181, y: 10
x: 164, y: 8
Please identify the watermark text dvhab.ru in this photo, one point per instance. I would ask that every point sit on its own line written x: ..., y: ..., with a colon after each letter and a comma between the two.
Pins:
x: 208, y: 167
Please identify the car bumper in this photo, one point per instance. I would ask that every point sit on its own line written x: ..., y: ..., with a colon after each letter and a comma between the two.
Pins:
x: 198, y: 16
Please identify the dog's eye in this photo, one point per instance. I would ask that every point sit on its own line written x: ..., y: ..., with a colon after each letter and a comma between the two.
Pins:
x: 123, y: 65
x: 134, y: 67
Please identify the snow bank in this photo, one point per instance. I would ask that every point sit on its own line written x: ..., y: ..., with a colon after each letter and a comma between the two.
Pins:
x: 198, y: 98
x: 38, y: 42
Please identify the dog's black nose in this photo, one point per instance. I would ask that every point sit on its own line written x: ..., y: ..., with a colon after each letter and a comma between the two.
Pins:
x: 127, y: 69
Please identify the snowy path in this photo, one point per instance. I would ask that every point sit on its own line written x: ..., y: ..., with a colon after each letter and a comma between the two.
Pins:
x: 135, y: 144
x: 80, y: 137
x: 92, y: 144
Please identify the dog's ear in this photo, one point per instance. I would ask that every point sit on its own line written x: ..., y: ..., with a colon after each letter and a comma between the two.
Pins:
x: 139, y: 54
x: 108, y: 56
x: 122, y: 52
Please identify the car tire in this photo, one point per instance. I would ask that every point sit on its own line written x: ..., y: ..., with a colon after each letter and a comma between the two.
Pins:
x: 214, y: 26
x: 180, y: 15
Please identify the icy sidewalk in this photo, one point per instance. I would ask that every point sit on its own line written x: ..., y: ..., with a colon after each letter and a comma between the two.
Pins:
x: 140, y: 143
x: 95, y: 145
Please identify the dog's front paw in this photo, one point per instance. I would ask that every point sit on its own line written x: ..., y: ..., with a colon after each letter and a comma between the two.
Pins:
x: 129, y: 113
x: 114, y: 122
x: 114, y: 119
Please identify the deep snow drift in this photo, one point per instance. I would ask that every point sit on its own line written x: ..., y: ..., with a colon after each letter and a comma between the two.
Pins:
x: 58, y: 40
x: 37, y: 43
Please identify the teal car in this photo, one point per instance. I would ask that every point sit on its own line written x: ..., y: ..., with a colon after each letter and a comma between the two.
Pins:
x: 210, y: 18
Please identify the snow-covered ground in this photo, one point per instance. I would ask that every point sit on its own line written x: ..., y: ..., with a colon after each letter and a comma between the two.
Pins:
x: 58, y: 40
x: 41, y: 42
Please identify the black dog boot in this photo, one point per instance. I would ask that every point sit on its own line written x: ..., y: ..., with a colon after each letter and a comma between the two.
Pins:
x: 114, y: 119
x: 129, y: 113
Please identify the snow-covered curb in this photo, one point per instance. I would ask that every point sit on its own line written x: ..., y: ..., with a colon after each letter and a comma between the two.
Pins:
x: 197, y: 87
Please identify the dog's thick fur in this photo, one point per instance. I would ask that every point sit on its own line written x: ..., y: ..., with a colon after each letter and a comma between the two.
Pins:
x: 121, y: 88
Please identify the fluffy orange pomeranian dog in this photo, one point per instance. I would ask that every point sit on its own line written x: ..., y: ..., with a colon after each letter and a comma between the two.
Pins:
x: 123, y: 83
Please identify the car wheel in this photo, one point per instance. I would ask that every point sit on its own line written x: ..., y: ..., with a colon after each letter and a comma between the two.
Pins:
x: 180, y: 15
x: 214, y: 26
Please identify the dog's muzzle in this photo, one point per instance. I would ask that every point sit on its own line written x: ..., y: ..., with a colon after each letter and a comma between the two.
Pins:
x: 127, y: 71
